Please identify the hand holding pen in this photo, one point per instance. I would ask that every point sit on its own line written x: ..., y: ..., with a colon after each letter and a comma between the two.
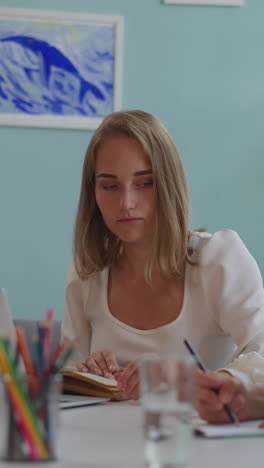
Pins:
x: 231, y: 415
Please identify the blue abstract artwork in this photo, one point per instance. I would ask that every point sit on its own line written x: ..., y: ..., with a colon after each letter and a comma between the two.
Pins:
x: 62, y: 69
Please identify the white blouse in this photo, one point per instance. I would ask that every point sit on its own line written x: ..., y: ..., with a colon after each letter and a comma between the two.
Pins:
x: 222, y: 313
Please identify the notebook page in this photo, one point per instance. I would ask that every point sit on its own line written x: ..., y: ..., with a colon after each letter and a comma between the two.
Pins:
x: 97, y: 378
x: 245, y: 429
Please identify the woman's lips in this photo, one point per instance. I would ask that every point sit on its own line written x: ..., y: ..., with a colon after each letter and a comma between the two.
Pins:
x: 129, y: 220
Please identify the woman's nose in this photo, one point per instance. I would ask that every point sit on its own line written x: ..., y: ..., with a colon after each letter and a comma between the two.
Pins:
x: 127, y: 199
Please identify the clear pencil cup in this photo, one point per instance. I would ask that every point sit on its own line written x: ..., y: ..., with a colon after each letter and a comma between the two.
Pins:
x: 166, y: 399
x: 29, y: 423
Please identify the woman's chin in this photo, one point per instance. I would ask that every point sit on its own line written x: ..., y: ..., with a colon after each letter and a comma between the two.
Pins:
x: 139, y: 241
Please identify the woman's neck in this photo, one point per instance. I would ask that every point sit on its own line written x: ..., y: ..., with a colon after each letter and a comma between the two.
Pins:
x: 131, y: 267
x: 133, y: 258
x: 133, y: 261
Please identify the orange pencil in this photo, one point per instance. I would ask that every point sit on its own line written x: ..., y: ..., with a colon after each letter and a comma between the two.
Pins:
x: 22, y: 346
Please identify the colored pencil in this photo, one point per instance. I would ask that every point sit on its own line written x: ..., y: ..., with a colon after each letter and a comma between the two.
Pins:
x: 30, y: 435
x: 54, y: 369
x: 19, y: 417
x: 48, y: 334
x: 17, y: 395
x: 23, y: 349
x: 20, y: 382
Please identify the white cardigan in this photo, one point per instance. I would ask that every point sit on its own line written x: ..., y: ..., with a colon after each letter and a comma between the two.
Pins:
x: 222, y: 313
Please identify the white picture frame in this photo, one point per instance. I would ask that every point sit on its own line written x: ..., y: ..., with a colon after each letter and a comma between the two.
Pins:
x: 59, y: 69
x: 206, y: 2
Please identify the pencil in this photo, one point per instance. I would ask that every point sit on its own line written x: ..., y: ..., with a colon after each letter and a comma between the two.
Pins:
x: 42, y: 328
x: 233, y: 418
x: 37, y: 354
x: 48, y: 334
x: 22, y: 346
x: 25, y: 431
x: 22, y: 402
x: 55, y: 368
x: 11, y: 369
x: 42, y: 382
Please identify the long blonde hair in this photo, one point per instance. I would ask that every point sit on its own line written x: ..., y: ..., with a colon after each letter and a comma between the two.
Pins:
x: 95, y: 247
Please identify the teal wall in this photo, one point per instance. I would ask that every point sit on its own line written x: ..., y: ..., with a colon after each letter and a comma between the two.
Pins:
x: 201, y: 70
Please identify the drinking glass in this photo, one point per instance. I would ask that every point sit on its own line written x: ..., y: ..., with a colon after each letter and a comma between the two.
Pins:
x: 166, y: 399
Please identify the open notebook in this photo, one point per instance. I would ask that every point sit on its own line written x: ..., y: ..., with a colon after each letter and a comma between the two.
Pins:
x: 84, y: 383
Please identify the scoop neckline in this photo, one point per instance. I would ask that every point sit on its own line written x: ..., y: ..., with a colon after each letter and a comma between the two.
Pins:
x: 138, y: 330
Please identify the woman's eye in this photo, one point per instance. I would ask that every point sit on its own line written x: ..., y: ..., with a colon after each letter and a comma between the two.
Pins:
x: 145, y: 184
x: 110, y: 187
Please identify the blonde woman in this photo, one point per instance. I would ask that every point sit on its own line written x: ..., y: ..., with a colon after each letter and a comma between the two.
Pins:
x: 142, y: 281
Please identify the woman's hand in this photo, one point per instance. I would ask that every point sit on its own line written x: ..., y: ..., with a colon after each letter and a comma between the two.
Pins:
x: 216, y: 389
x: 128, y: 380
x: 102, y: 363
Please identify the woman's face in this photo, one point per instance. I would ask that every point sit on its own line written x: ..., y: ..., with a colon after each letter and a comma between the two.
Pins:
x: 124, y: 189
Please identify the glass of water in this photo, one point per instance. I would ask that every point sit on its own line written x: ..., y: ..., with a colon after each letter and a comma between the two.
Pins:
x: 166, y: 399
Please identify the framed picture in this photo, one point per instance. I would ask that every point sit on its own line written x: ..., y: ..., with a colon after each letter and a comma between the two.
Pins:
x: 207, y: 2
x: 59, y: 69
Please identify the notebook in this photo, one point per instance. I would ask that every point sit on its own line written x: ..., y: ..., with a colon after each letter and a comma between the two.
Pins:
x: 245, y: 429
x: 84, y: 383
x: 7, y: 328
x: 75, y: 401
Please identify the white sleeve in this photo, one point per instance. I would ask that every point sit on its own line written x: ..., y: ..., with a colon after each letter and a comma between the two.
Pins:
x: 236, y: 285
x: 75, y: 328
x: 236, y: 290
x: 249, y: 369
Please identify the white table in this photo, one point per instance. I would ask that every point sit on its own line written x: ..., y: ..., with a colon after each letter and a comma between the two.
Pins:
x: 110, y: 436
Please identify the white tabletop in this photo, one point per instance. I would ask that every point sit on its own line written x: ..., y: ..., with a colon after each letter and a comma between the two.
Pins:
x: 109, y: 435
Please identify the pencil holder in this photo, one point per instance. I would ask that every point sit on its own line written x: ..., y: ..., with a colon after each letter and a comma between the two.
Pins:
x: 30, y: 419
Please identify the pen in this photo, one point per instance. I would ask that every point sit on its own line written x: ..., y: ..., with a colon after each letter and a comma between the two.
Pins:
x: 233, y: 418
